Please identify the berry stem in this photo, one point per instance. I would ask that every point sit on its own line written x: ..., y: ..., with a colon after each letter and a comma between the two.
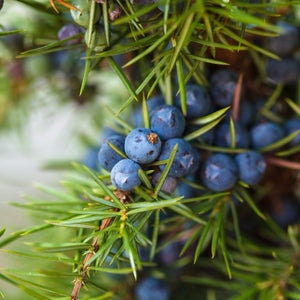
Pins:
x: 237, y: 98
x: 283, y: 163
x: 79, y: 281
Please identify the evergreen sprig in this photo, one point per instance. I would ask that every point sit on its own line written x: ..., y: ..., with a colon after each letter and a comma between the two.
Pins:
x: 95, y: 234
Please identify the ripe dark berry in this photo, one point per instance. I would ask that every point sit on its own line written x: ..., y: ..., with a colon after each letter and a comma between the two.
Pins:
x: 286, y: 42
x: 264, y: 134
x: 222, y: 87
x: 167, y: 121
x: 219, y: 172
x: 152, y: 103
x: 187, y: 190
x: 90, y: 158
x: 286, y: 70
x: 107, y: 132
x: 68, y: 31
x: 285, y: 212
x: 197, y: 101
x: 107, y: 156
x: 223, y: 136
x: 151, y: 288
x: 251, y: 166
x: 142, y: 145
x: 290, y: 126
x: 124, y: 175
x: 186, y: 159
x: 169, y: 253
x: 246, y: 113
x: 207, y: 137
x: 169, y: 184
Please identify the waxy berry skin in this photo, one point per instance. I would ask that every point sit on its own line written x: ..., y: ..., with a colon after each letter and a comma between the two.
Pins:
x: 186, y: 160
x: 107, y: 156
x: 285, y: 211
x: 124, y: 175
x: 169, y: 184
x: 186, y: 190
x: 198, y: 101
x: 286, y: 42
x: 219, y: 172
x: 265, y: 134
x: 291, y: 125
x: 222, y: 87
x: 251, y: 166
x: 90, y: 158
x: 223, y: 136
x: 286, y: 70
x: 142, y: 145
x: 246, y: 112
x: 67, y: 31
x: 152, y: 103
x: 152, y: 289
x: 167, y: 121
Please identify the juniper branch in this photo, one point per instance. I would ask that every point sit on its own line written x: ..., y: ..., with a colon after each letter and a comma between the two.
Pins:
x: 80, y: 280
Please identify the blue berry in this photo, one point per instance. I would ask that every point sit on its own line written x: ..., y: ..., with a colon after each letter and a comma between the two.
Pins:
x: 290, y: 126
x: 187, y: 190
x: 90, y: 158
x: 67, y: 31
x: 286, y: 42
x: 197, y: 101
x: 264, y: 134
x: 207, y: 137
x: 167, y: 121
x: 286, y: 70
x: 245, y: 114
x: 196, y: 164
x: 107, y: 132
x: 152, y: 103
x: 124, y: 175
x: 285, y: 212
x: 169, y: 184
x: 151, y: 288
x: 107, y: 156
x: 251, y: 166
x: 223, y: 136
x: 169, y: 253
x: 186, y: 160
x: 142, y: 145
x: 222, y: 87
x: 219, y: 172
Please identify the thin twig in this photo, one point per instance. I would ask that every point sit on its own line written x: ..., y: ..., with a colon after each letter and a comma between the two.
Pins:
x: 237, y: 98
x: 283, y: 163
x: 79, y: 281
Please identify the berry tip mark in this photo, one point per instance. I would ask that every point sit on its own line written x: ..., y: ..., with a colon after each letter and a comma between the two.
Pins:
x: 152, y: 137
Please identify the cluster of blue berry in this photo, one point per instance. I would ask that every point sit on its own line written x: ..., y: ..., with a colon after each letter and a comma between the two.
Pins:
x: 149, y: 149
x: 287, y: 69
x: 143, y: 148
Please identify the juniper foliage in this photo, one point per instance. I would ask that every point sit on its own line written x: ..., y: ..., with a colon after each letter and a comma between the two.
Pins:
x: 88, y: 239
